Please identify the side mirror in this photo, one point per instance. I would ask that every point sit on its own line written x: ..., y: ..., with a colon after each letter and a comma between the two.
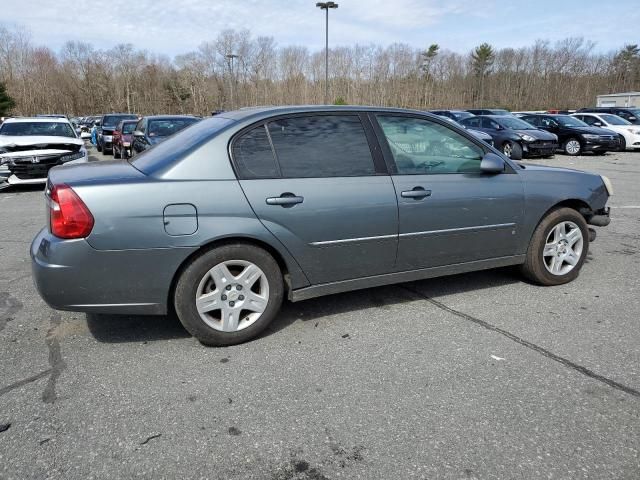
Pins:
x: 138, y: 134
x: 597, y: 124
x: 492, y: 163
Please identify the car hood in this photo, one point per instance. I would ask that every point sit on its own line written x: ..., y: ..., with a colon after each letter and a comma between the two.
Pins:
x: 19, y: 142
x: 594, y: 130
x: 537, y: 134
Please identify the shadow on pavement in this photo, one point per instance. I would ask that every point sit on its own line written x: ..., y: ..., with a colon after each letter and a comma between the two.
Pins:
x: 123, y: 329
x: 134, y: 328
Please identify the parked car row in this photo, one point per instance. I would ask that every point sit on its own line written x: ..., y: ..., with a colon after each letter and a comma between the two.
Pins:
x: 126, y: 135
x: 595, y: 130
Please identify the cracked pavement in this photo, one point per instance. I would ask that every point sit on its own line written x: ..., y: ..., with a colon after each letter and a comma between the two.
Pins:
x: 471, y: 376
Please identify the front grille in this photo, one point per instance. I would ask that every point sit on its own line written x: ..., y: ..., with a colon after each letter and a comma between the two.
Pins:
x: 56, y: 146
x: 25, y: 168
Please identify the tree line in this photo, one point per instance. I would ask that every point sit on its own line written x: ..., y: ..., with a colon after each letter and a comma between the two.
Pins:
x: 236, y: 70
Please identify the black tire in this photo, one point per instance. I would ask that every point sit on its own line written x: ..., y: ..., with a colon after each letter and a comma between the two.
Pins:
x: 514, y: 149
x: 187, y: 285
x: 99, y: 147
x: 534, y: 267
x: 622, y: 146
x: 566, y: 147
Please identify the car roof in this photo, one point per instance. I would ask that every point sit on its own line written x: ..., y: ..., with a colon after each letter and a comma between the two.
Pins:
x: 167, y: 117
x: 265, y: 112
x: 37, y: 120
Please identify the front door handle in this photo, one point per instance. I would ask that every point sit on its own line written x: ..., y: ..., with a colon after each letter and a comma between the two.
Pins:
x: 416, y: 192
x: 286, y: 199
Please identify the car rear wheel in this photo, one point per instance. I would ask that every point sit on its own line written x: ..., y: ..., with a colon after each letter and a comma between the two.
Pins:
x: 513, y: 150
x: 572, y: 147
x: 229, y: 294
x: 99, y: 147
x: 558, y: 248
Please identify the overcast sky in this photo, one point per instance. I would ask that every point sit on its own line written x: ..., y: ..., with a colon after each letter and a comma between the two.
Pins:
x: 177, y: 26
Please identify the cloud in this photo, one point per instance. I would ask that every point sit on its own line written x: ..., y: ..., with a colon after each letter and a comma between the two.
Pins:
x: 178, y: 26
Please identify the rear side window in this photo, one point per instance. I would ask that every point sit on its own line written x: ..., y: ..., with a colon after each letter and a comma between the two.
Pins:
x: 321, y: 146
x: 253, y: 155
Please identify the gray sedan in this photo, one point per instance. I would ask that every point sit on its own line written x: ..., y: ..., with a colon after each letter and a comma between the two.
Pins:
x: 227, y: 218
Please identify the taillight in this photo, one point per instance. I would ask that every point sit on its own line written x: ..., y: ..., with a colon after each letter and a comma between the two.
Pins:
x: 69, y: 217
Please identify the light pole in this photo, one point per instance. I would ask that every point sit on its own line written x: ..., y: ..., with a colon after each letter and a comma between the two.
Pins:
x: 326, y: 6
x: 232, y: 57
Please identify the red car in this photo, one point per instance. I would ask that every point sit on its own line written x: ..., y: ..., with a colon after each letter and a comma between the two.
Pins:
x: 122, y: 138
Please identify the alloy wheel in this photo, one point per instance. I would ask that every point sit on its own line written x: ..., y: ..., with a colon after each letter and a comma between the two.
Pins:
x: 563, y: 248
x: 573, y: 147
x: 507, y: 149
x: 232, y: 295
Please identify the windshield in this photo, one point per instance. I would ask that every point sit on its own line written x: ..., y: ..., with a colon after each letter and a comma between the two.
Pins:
x: 516, y: 124
x: 179, y: 145
x: 498, y: 111
x: 614, y: 120
x: 113, y: 120
x: 23, y: 129
x: 164, y: 128
x: 567, y: 121
x: 128, y: 128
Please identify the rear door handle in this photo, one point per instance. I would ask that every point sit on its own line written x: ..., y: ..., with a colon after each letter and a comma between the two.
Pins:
x: 286, y: 199
x: 416, y: 192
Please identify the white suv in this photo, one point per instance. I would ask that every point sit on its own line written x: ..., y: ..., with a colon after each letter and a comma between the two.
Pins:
x: 30, y: 147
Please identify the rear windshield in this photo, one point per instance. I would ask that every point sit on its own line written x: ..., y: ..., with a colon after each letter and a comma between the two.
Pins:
x: 180, y: 144
x: 54, y: 129
x: 113, y: 120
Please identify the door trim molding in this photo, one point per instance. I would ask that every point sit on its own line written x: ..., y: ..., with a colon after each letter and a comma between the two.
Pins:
x: 399, y: 277
x: 414, y: 234
x: 480, y: 228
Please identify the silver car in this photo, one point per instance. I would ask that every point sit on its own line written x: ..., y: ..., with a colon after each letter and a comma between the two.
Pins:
x: 227, y: 218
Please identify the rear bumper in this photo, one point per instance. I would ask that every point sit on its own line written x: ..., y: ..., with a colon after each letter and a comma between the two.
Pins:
x: 72, y: 275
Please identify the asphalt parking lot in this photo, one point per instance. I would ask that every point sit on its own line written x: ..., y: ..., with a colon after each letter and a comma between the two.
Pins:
x: 472, y: 376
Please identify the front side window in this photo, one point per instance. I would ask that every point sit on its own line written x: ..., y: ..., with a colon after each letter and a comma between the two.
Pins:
x: 491, y: 124
x: 471, y: 122
x: 419, y: 147
x: 614, y: 119
x: 548, y: 122
x: 321, y: 146
x: 567, y: 121
x: 166, y: 127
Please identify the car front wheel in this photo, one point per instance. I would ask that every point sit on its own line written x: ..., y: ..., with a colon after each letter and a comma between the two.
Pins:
x: 513, y: 150
x: 572, y: 147
x: 558, y: 248
x: 229, y: 295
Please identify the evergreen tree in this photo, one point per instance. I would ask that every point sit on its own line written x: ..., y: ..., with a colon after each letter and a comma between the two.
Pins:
x: 6, y: 102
